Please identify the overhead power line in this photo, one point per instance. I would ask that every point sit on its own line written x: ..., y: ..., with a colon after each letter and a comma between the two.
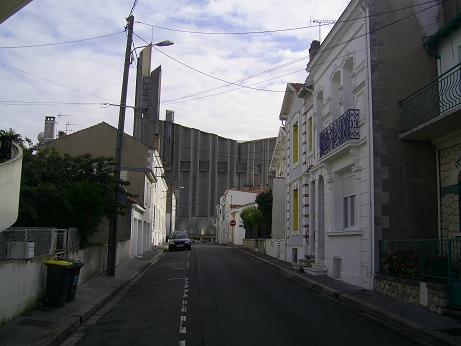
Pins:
x: 326, y: 49
x: 228, y: 91
x: 211, y: 76
x: 50, y: 81
x: 133, y: 7
x: 61, y: 43
x: 190, y: 97
x: 198, y: 32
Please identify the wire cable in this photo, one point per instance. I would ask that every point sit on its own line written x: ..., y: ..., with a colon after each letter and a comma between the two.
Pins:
x: 133, y: 7
x: 228, y: 91
x: 277, y: 30
x: 50, y: 81
x: 326, y: 49
x: 61, y: 43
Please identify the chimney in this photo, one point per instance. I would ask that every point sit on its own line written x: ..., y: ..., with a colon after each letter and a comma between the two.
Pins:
x: 315, y: 46
x: 61, y: 134
x: 169, y: 116
x: 50, y: 127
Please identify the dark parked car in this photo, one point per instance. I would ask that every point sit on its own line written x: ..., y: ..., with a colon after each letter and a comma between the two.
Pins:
x: 179, y: 240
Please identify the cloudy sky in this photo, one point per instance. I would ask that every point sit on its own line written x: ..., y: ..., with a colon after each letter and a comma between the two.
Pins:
x: 61, y: 79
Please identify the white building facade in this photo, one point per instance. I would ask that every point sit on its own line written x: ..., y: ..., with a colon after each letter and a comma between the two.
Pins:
x: 148, y: 221
x: 292, y: 114
x: 328, y: 178
x: 232, y: 203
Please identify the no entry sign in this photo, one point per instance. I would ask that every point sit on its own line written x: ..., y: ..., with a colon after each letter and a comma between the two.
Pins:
x: 232, y: 223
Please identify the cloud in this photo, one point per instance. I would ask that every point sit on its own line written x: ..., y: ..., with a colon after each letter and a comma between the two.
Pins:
x: 95, y: 67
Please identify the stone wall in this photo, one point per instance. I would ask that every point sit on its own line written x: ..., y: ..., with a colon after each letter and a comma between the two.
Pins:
x: 449, y: 168
x: 432, y: 296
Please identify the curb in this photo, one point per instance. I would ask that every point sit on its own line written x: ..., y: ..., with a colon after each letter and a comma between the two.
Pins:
x: 406, y: 327
x: 57, y: 335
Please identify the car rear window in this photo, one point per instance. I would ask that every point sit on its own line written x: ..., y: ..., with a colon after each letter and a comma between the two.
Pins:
x: 179, y: 235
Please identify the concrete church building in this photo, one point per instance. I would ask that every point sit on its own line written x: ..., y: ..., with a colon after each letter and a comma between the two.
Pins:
x: 199, y: 166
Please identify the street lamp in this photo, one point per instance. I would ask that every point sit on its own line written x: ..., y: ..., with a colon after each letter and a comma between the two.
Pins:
x: 164, y: 43
x: 112, y: 242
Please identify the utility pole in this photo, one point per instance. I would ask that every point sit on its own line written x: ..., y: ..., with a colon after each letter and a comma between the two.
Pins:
x: 112, y: 244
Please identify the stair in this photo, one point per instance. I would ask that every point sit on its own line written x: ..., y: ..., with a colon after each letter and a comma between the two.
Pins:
x: 317, y: 269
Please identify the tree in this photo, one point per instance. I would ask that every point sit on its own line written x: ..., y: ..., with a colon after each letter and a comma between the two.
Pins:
x: 65, y: 191
x: 264, y: 202
x: 7, y: 138
x: 252, y: 220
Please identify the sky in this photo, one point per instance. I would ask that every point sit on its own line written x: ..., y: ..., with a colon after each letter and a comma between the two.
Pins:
x: 74, y: 81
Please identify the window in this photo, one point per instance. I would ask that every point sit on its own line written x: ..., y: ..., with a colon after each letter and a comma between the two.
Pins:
x: 295, y: 212
x: 242, y: 167
x: 203, y: 166
x: 222, y: 166
x: 345, y: 205
x: 310, y: 134
x: 185, y: 165
x: 349, y: 211
x: 295, y: 143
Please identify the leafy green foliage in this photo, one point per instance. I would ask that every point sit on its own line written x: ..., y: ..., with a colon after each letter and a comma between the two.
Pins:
x: 257, y: 219
x: 252, y: 219
x: 264, y: 202
x: 65, y: 191
x: 7, y: 137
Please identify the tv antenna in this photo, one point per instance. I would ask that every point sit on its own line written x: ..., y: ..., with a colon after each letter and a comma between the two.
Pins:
x: 59, y: 116
x: 68, y: 124
x: 321, y: 22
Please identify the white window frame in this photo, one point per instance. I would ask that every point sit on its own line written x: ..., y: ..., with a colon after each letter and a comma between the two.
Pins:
x: 350, y: 211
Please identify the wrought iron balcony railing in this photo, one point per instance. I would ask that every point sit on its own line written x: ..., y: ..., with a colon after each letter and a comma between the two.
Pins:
x: 439, y: 96
x: 343, y: 129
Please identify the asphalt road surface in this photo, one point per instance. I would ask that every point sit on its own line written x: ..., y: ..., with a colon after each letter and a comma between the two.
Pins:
x: 215, y: 295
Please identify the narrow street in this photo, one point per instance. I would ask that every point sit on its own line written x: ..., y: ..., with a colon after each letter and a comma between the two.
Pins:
x: 216, y: 295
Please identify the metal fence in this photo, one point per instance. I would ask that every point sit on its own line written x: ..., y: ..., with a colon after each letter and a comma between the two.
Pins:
x: 27, y: 243
x: 421, y: 259
x: 440, y: 95
x: 343, y: 129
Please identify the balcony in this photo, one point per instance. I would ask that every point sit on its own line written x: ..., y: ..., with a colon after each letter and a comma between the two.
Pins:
x: 342, y: 130
x: 10, y: 181
x: 434, y: 110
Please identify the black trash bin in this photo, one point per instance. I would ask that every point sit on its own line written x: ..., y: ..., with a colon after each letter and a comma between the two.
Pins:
x: 58, y: 280
x: 76, y: 266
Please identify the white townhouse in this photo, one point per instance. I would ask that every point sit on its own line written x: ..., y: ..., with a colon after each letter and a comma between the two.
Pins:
x: 353, y: 181
x: 294, y: 120
x: 327, y: 175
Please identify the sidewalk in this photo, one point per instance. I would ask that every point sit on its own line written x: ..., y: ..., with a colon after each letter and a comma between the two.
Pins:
x: 50, y: 326
x: 411, y: 320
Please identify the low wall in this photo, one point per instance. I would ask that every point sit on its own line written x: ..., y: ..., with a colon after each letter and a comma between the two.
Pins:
x: 251, y: 244
x: 276, y: 248
x: 94, y: 259
x: 23, y: 282
x: 432, y: 296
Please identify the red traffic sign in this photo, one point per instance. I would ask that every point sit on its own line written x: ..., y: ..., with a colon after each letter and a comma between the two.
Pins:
x: 232, y: 223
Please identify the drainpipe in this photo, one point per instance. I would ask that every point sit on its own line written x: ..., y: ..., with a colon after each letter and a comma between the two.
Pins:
x: 370, y: 153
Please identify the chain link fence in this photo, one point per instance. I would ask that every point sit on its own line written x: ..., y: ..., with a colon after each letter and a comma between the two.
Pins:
x: 26, y: 243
